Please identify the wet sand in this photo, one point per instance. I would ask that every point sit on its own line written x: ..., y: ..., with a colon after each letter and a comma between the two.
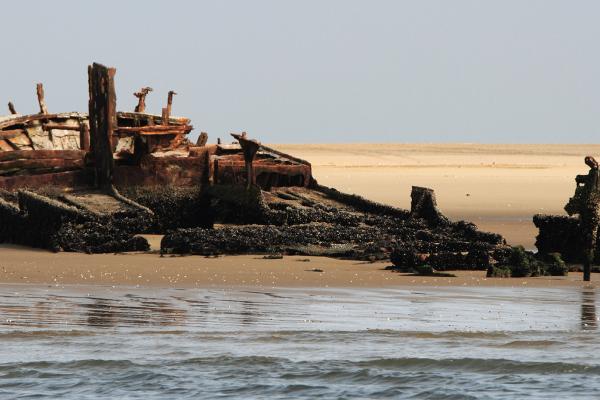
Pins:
x: 21, y: 265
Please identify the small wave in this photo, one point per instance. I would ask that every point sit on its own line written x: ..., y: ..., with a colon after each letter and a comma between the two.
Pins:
x: 531, y: 343
x: 480, y: 365
x: 42, y: 334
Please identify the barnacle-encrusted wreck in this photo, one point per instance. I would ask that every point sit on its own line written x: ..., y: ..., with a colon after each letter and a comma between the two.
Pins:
x: 93, y: 182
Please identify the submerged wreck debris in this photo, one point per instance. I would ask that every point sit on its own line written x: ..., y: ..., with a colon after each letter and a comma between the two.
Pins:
x: 519, y: 263
x: 92, y: 182
x: 574, y: 238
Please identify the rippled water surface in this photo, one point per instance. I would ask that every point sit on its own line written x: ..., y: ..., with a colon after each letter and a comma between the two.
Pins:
x: 430, y: 343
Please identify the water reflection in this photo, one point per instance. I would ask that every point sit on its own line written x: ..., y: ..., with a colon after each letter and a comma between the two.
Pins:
x: 589, y: 320
x: 100, y: 313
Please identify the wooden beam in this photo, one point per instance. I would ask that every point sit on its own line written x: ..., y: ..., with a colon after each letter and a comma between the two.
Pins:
x: 155, y: 128
x: 103, y: 121
x: 41, y: 100
x: 41, y: 154
x: 27, y: 118
x: 64, y: 127
x: 41, y: 163
x: 9, y: 134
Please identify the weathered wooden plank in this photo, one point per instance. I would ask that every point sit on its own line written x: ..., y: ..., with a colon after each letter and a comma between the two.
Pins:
x: 65, y: 127
x: 103, y: 121
x: 4, y: 146
x: 145, y: 116
x: 156, y: 129
x: 40, y: 163
x: 42, y: 154
x: 9, y: 134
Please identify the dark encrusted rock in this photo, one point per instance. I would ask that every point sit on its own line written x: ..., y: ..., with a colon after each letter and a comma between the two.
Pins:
x: 560, y: 234
x: 424, y: 205
x: 554, y: 265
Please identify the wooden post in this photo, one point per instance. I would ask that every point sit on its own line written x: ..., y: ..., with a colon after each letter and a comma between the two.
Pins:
x: 202, y: 139
x: 41, y: 100
x: 169, y: 104
x: 250, y: 148
x: 84, y: 136
x: 141, y: 95
x: 11, y: 108
x: 103, y: 121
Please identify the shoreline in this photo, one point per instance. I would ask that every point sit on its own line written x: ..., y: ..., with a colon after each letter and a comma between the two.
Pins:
x: 21, y: 265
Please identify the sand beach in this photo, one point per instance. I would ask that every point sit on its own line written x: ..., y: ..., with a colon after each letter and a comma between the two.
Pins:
x: 499, y: 187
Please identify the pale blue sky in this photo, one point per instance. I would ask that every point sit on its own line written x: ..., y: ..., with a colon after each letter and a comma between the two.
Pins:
x: 323, y: 71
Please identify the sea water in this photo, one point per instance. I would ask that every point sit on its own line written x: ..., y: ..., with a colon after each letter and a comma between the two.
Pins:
x: 419, y: 343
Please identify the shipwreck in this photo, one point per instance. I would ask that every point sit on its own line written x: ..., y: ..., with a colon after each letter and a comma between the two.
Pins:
x: 93, y: 182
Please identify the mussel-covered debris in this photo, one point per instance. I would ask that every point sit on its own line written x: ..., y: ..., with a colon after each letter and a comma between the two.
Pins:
x: 575, y: 237
x: 313, y: 222
x: 519, y: 263
x: 54, y: 222
x: 560, y: 234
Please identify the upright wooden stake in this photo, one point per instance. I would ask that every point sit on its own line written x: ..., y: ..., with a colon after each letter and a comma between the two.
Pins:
x: 141, y: 95
x: 41, y: 100
x: 11, y: 108
x: 84, y: 137
x: 169, y: 104
x: 249, y: 147
x: 103, y: 121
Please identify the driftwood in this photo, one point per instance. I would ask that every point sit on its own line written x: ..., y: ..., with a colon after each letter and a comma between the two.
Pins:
x: 41, y: 100
x: 11, y: 108
x: 103, y: 120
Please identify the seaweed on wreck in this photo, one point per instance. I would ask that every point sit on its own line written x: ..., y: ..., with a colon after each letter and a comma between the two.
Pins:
x: 173, y: 207
x: 45, y: 222
x: 318, y: 229
x: 520, y: 263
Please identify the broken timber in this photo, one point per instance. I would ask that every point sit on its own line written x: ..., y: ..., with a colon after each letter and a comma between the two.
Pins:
x: 103, y: 121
